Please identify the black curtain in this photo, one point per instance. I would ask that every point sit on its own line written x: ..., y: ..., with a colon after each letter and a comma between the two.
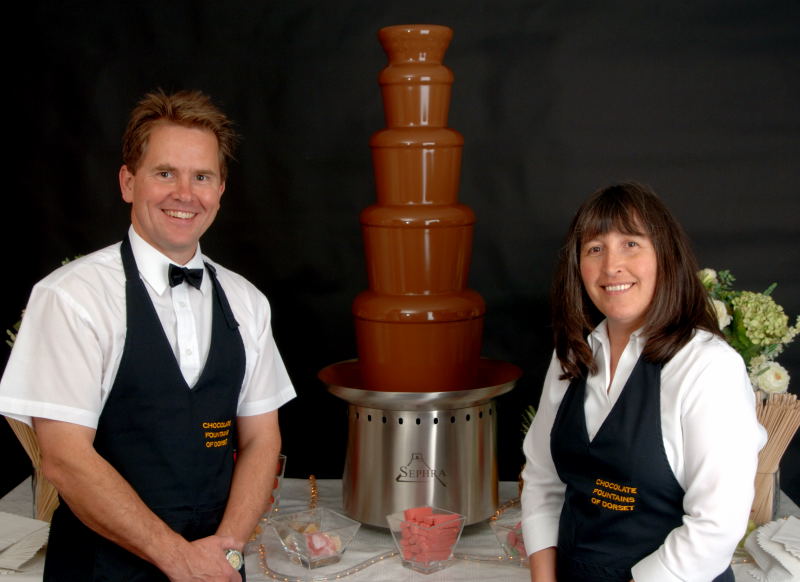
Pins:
x: 554, y: 99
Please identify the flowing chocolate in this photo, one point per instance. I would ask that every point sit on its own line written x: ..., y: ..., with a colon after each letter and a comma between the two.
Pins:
x: 418, y: 327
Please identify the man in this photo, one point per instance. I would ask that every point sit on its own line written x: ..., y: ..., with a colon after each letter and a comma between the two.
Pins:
x: 144, y: 365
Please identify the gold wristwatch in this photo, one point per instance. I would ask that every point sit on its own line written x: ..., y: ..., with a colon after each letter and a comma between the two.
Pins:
x: 235, y: 559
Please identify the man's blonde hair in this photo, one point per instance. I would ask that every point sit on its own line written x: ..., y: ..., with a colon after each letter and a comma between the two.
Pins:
x: 187, y: 108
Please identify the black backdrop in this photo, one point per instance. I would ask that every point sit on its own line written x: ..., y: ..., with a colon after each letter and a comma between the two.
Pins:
x: 554, y: 98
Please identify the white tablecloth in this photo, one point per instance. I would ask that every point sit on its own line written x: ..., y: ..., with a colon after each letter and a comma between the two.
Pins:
x: 480, y: 556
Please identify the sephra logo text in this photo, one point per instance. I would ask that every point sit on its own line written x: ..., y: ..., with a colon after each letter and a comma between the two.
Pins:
x: 418, y: 471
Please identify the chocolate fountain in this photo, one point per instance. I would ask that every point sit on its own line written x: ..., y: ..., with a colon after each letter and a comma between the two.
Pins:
x: 421, y: 412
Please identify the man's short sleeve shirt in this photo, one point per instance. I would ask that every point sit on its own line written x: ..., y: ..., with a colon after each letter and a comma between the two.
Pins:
x: 68, y: 350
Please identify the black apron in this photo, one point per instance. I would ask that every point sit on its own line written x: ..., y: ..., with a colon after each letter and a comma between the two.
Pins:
x: 174, y: 445
x: 622, y: 498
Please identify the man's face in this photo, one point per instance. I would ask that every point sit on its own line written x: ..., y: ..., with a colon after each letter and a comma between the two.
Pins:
x: 176, y: 190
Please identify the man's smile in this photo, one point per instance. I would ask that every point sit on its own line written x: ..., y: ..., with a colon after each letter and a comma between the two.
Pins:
x: 179, y: 213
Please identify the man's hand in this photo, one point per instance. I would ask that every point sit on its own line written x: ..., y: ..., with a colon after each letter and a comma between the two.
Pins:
x: 203, y: 560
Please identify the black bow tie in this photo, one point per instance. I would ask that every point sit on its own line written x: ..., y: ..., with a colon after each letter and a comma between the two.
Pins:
x: 178, y: 275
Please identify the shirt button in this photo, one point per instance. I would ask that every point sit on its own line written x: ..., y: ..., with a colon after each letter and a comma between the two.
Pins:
x: 182, y: 304
x: 188, y: 352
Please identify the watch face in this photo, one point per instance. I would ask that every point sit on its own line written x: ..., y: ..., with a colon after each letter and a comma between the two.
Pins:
x: 235, y: 558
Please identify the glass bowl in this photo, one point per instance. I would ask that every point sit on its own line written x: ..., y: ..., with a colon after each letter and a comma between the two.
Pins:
x: 509, y: 536
x: 315, y: 537
x: 426, y: 537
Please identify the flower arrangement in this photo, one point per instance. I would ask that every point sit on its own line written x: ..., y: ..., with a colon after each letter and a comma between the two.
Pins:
x: 755, y: 326
x: 12, y: 335
x: 758, y: 328
x: 527, y: 418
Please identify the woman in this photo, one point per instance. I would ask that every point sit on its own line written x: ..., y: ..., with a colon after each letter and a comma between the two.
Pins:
x: 641, y: 459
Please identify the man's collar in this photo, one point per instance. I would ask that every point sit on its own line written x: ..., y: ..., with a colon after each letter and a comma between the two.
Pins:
x: 154, y: 266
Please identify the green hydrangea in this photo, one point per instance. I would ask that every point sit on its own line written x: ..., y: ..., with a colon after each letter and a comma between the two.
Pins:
x: 754, y: 325
x: 764, y: 321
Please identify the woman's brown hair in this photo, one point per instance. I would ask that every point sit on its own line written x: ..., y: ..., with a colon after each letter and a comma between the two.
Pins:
x: 680, y: 302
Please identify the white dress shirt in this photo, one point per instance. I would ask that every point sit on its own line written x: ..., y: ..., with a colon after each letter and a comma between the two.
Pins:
x: 711, y: 439
x: 68, y: 350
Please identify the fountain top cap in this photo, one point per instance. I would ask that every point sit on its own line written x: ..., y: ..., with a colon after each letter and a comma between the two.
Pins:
x: 415, y: 43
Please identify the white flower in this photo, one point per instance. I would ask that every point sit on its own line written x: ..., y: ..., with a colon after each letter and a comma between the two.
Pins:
x: 723, y: 317
x: 757, y: 363
x: 708, y: 277
x: 771, y: 378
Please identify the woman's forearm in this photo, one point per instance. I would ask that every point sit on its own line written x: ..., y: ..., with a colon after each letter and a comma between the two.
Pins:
x: 543, y: 565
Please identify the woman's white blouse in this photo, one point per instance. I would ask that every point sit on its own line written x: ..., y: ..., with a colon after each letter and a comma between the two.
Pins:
x: 711, y: 438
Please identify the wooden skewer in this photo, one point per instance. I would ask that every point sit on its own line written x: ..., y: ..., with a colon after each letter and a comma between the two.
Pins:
x: 46, y: 496
x: 779, y: 414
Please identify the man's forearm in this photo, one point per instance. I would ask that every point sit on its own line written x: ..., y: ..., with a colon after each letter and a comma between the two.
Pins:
x: 543, y: 565
x: 98, y: 495
x: 253, y: 475
x: 105, y: 502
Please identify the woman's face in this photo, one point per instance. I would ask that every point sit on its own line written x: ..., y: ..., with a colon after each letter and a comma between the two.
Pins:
x: 619, y: 272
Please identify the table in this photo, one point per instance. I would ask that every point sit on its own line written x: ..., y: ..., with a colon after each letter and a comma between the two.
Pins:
x: 484, y: 559
x: 480, y: 558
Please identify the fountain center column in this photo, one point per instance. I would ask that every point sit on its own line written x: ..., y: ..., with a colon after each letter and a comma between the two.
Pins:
x: 418, y: 327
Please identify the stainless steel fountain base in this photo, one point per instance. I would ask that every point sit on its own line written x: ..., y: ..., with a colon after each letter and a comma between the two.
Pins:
x: 409, y: 449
